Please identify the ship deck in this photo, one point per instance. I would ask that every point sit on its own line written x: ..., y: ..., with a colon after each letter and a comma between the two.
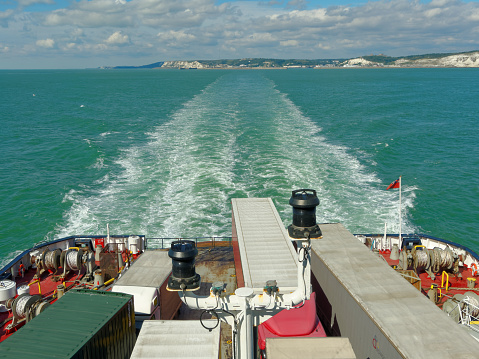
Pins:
x: 359, y: 294
x: 46, y: 287
x: 448, y: 284
x: 361, y: 297
x: 213, y: 264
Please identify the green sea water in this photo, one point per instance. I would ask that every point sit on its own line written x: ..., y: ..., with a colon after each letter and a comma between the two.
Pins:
x: 162, y: 152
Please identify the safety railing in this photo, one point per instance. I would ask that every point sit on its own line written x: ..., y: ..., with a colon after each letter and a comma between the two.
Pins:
x: 165, y: 242
x: 469, y: 313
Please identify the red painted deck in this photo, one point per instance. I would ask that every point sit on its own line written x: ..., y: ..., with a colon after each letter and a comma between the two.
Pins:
x: 46, y: 287
x: 448, y: 284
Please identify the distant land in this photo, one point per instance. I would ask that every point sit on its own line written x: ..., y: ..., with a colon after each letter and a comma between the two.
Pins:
x: 463, y: 59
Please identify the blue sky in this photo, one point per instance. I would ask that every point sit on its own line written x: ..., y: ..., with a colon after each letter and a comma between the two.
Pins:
x: 94, y: 33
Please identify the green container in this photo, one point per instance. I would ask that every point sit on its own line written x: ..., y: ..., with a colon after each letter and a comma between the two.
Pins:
x: 83, y: 324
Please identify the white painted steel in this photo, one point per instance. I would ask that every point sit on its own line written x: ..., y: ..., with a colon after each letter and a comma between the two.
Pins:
x: 266, y: 254
x: 146, y: 299
x: 309, y: 348
x: 177, y: 339
x: 133, y: 242
x: 8, y: 289
x: 151, y: 269
x: 247, y: 307
x: 144, y: 279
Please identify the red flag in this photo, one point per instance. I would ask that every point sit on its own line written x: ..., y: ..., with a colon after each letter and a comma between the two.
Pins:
x: 395, y: 184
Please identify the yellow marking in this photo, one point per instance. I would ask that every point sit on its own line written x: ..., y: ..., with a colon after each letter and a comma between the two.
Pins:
x: 447, y: 280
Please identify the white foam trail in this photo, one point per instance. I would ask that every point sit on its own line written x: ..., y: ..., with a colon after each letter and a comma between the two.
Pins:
x: 349, y: 192
x: 240, y: 137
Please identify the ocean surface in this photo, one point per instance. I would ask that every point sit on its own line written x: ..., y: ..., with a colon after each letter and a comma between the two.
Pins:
x: 162, y: 152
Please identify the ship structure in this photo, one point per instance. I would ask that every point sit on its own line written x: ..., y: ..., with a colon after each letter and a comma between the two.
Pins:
x: 310, y: 290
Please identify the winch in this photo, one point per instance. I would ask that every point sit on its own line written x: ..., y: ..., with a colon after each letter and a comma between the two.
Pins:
x: 431, y: 261
x: 26, y: 307
x: 74, y: 258
x: 47, y: 260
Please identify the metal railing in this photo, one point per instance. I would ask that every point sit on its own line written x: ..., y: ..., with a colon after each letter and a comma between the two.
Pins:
x: 165, y: 242
x: 150, y: 243
x: 465, y: 313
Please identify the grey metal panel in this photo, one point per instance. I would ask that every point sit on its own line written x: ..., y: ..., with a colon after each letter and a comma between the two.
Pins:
x: 150, y: 270
x: 266, y: 250
x: 382, y: 314
x: 177, y: 339
x: 309, y: 348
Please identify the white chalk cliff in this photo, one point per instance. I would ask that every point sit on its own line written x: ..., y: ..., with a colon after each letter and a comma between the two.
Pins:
x: 470, y: 59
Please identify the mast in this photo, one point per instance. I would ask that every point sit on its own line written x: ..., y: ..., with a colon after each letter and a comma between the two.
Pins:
x: 400, y: 211
x: 397, y: 184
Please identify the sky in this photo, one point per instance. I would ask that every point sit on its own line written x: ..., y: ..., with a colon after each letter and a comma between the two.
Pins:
x: 64, y: 34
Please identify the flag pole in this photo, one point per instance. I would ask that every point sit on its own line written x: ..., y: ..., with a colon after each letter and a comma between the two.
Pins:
x: 396, y: 184
x: 400, y: 212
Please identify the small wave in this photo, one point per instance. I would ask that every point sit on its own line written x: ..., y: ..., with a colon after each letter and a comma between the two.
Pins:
x: 240, y: 137
x: 5, y: 260
x: 99, y: 164
x: 108, y: 133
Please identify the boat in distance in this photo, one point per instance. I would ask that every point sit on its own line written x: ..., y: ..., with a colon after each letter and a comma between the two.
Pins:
x: 310, y: 290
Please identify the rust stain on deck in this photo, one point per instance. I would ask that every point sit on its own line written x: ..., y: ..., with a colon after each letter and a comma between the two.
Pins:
x: 214, y: 264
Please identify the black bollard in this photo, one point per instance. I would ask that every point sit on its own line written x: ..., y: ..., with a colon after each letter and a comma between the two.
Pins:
x: 304, y: 203
x: 183, y: 276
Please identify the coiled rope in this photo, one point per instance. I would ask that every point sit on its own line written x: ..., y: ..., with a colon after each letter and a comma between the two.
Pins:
x: 421, y: 259
x: 20, y: 306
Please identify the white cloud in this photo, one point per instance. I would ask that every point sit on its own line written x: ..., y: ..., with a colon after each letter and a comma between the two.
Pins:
x: 25, y: 3
x: 433, y: 12
x: 165, y: 29
x: 152, y: 13
x: 70, y: 45
x: 439, y: 3
x: 292, y: 43
x: 176, y: 37
x: 117, y: 38
x: 5, y: 17
x: 297, y: 4
x: 473, y: 16
x: 90, y: 19
x: 46, y: 43
x: 324, y: 46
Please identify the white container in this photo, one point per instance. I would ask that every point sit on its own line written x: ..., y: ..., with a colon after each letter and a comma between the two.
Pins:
x: 133, y: 244
x: 8, y: 289
x: 98, y: 250
x: 121, y: 244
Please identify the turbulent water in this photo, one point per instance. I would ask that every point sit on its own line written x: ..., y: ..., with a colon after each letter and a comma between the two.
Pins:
x: 162, y: 152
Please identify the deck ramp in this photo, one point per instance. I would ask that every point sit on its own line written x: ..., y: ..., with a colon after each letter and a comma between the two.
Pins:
x: 264, y: 246
x: 383, y: 315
